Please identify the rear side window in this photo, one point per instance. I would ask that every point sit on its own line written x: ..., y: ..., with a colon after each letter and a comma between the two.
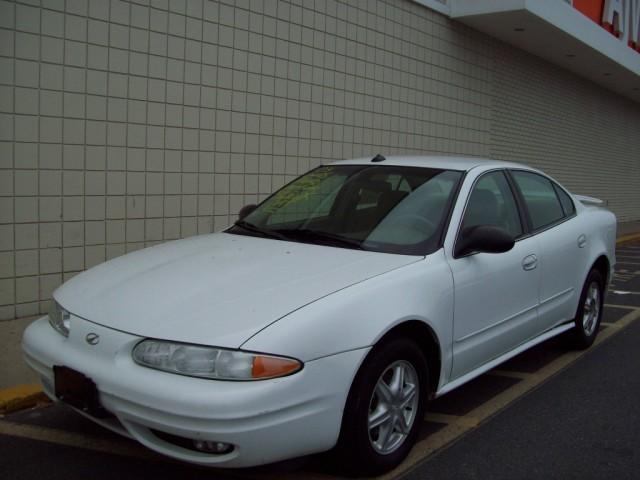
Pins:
x: 565, y: 200
x: 540, y: 196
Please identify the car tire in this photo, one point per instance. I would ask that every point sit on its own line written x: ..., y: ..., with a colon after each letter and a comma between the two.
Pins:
x: 383, y: 383
x: 589, y: 313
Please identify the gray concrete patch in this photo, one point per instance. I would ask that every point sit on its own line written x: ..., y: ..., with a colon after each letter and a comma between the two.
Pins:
x: 13, y: 370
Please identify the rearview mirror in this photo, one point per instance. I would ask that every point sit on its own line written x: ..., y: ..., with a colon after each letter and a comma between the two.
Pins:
x: 483, y: 239
x: 246, y: 210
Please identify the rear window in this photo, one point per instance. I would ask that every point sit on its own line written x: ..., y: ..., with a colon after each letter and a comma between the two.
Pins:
x: 541, y: 199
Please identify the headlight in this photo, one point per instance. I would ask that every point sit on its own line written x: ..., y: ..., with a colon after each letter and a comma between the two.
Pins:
x: 59, y: 318
x: 211, y: 362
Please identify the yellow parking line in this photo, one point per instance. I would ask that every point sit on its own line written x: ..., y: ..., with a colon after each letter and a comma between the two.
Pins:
x: 504, y: 398
x: 73, y: 439
x: 124, y: 447
x: 611, y: 325
x: 427, y: 447
x: 628, y: 238
x: 452, y: 431
x: 628, y: 307
x: 455, y: 427
x: 20, y: 397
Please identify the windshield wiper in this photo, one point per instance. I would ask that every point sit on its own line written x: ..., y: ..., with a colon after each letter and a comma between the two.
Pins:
x: 331, y: 239
x: 301, y: 234
x: 265, y: 232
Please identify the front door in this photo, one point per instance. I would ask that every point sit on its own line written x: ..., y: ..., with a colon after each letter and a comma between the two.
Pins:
x: 496, y: 295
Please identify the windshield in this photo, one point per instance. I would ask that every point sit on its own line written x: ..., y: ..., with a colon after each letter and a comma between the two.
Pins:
x: 370, y: 207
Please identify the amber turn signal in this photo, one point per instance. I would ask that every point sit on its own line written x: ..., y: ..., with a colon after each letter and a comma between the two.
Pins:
x: 270, y: 367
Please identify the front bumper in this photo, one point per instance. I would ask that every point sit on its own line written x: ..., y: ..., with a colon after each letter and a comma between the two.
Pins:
x: 265, y: 421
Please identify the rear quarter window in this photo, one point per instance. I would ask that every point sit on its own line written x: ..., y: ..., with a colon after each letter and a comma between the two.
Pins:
x: 567, y: 204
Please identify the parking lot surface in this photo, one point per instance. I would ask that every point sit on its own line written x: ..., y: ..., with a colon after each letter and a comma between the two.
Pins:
x: 547, y: 413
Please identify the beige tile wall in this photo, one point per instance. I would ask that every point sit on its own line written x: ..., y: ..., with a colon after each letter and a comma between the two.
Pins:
x: 124, y: 124
x: 584, y: 136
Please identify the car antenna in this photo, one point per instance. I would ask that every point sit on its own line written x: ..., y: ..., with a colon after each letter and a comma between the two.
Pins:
x: 378, y: 158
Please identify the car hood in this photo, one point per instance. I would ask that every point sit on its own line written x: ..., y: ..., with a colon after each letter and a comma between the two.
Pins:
x: 217, y: 289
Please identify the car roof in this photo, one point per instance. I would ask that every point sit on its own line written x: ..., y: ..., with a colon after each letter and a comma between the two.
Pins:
x: 435, y: 161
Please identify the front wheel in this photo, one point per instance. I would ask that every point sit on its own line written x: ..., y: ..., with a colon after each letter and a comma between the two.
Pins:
x: 589, y: 314
x: 384, y: 409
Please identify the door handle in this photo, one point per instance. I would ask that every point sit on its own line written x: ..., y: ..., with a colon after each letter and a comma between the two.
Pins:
x: 582, y: 241
x: 529, y: 262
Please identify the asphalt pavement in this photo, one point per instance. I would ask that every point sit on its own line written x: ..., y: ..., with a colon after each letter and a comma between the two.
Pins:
x: 583, y: 423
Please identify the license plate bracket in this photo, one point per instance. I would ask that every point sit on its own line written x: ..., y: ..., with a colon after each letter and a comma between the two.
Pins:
x: 78, y: 390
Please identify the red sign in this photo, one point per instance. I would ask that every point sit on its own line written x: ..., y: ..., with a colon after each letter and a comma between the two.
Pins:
x: 620, y: 17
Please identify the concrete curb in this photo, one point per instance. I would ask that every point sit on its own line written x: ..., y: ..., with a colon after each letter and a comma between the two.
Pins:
x: 21, y: 397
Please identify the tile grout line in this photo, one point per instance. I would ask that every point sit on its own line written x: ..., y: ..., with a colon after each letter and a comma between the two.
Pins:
x: 13, y: 165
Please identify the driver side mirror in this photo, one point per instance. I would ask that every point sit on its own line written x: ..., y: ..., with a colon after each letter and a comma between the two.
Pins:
x: 483, y: 239
x: 246, y: 210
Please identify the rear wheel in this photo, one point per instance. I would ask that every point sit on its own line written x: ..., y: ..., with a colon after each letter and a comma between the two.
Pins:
x: 589, y: 314
x: 384, y: 409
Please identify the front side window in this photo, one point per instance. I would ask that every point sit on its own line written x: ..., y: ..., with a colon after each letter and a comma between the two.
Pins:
x: 381, y: 208
x: 491, y: 203
x: 540, y: 197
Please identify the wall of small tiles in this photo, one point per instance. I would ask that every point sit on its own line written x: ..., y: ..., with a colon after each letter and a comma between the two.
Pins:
x: 128, y: 123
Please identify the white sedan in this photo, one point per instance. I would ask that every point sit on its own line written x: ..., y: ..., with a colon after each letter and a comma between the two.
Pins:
x: 328, y: 315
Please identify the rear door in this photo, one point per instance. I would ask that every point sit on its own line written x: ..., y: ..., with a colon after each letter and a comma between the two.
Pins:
x: 496, y: 295
x: 561, y: 240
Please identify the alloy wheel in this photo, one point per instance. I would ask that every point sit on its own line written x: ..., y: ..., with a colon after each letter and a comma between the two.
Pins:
x: 393, y: 407
x: 591, y: 310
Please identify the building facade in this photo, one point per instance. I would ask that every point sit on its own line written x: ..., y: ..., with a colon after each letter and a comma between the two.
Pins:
x: 128, y: 123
